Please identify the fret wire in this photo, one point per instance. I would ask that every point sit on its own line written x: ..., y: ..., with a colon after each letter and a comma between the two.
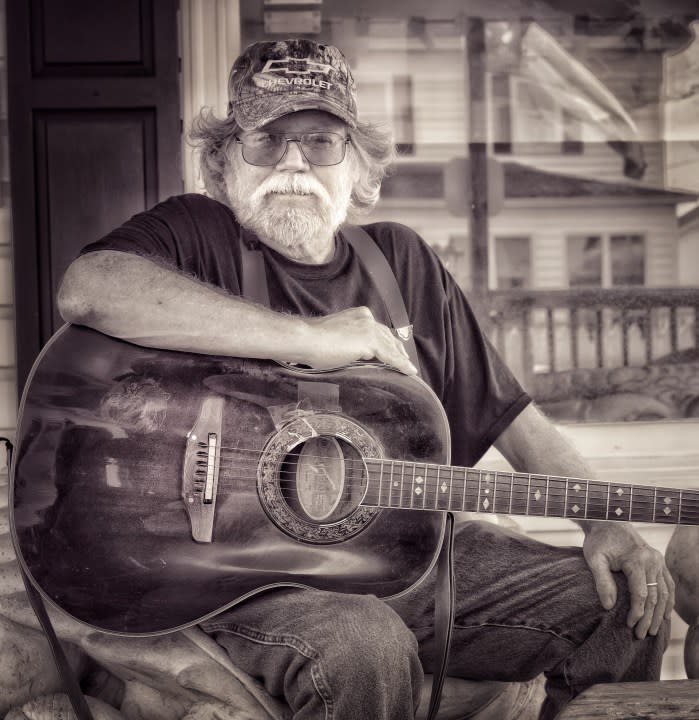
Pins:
x: 546, y: 500
x: 421, y: 495
x: 478, y: 501
x: 412, y: 492
x: 451, y: 485
x: 424, y: 494
x: 631, y: 503
x: 512, y: 488
x: 436, y: 495
x: 609, y: 492
x: 565, y: 500
x: 529, y: 492
x: 655, y: 503
x: 495, y: 488
x: 395, y: 484
x: 463, y: 499
x: 380, y: 482
x: 587, y: 496
x: 679, y: 508
x: 402, y: 476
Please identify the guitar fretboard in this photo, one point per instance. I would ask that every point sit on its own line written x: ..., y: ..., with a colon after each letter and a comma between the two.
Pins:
x: 425, y: 486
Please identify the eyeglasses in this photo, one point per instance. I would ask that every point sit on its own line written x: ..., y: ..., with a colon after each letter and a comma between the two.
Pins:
x: 319, y: 148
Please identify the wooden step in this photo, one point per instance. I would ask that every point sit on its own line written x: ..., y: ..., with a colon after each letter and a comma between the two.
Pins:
x: 666, y: 700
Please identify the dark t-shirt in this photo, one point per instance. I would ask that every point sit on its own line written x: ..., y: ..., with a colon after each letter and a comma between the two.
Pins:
x: 201, y: 237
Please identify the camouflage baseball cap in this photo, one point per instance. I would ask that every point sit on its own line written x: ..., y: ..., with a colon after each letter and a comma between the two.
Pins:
x: 275, y: 78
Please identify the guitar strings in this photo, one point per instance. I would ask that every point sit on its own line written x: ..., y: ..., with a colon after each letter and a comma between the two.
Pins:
x: 517, y: 483
x: 520, y: 498
x: 519, y: 504
x: 445, y: 471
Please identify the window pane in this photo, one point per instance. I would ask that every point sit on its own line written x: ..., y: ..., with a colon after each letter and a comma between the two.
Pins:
x: 628, y: 259
x: 584, y: 260
x: 512, y: 262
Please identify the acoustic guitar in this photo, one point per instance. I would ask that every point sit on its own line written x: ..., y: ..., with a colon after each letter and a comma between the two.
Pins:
x: 152, y: 489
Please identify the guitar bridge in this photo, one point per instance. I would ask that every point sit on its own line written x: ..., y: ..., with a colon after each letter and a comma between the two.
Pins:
x: 200, y: 473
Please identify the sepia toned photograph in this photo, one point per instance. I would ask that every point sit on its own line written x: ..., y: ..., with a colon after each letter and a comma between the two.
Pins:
x: 349, y: 360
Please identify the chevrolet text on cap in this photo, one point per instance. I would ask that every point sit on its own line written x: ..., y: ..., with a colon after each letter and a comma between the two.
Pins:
x: 275, y: 78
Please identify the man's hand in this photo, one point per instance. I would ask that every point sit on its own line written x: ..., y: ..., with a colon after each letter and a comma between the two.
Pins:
x: 611, y: 547
x: 354, y: 334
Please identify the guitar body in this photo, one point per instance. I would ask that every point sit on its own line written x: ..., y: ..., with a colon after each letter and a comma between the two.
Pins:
x: 151, y: 489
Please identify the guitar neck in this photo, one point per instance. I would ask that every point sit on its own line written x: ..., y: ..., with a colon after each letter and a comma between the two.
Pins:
x: 424, y: 486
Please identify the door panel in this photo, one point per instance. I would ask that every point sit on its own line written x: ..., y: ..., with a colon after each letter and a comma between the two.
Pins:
x: 95, y: 135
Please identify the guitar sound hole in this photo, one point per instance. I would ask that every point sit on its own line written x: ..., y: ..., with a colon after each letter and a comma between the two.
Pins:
x: 323, y: 480
x: 311, y: 478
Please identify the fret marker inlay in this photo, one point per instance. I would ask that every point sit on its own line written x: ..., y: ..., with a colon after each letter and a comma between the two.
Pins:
x: 618, y: 512
x: 575, y: 509
x: 619, y: 492
x: 577, y: 487
x: 537, y: 495
x: 486, y: 504
x: 444, y: 487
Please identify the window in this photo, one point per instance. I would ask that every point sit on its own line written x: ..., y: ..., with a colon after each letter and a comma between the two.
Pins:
x: 606, y: 260
x: 527, y: 118
x: 628, y: 259
x: 512, y: 262
x: 585, y: 260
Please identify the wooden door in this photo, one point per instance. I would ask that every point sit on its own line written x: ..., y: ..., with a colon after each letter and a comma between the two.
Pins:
x: 95, y: 136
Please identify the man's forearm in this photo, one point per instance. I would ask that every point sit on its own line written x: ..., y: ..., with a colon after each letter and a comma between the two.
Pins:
x: 134, y: 299
x: 533, y: 444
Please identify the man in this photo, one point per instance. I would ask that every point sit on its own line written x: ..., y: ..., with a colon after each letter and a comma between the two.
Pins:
x: 282, y: 170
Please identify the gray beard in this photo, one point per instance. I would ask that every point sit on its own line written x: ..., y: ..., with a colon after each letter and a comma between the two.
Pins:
x: 297, y: 231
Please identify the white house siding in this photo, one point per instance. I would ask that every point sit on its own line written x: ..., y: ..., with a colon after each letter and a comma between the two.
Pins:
x: 437, y: 122
x: 597, y: 161
x: 688, y: 250
x: 548, y: 227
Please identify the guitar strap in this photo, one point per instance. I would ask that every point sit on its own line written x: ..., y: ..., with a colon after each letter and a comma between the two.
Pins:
x: 70, y: 683
x: 254, y: 288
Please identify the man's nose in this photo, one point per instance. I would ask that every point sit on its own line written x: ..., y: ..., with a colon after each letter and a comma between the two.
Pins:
x: 293, y: 158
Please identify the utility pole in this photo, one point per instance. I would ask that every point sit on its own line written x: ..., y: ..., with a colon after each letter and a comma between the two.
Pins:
x: 477, y: 151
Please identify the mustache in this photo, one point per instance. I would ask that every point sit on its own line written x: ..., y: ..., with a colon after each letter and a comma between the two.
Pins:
x: 291, y: 185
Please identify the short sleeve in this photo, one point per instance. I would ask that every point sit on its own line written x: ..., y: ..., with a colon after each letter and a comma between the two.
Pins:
x: 191, y: 233
x: 481, y: 394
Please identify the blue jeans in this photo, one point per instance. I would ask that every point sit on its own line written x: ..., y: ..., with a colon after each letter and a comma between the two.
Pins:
x: 522, y: 608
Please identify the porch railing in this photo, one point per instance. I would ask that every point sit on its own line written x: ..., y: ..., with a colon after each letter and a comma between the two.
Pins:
x: 546, y: 331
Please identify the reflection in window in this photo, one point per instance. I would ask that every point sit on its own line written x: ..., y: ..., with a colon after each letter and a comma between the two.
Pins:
x: 502, y: 113
x: 403, y: 120
x: 584, y: 260
x: 628, y: 259
x: 512, y: 262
